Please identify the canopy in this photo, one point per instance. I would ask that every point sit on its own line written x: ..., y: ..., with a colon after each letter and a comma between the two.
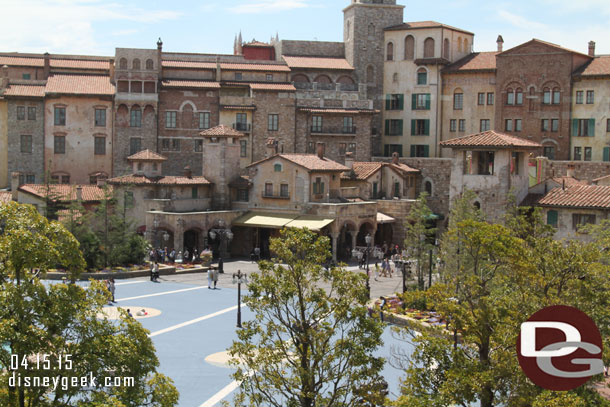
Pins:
x: 310, y: 222
x: 383, y: 218
x: 280, y: 220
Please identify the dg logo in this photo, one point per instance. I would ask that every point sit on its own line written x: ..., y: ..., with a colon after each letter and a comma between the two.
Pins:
x: 560, y: 348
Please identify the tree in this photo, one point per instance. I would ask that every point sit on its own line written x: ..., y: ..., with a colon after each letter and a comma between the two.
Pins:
x: 307, y: 346
x: 62, y: 321
x: 419, y: 236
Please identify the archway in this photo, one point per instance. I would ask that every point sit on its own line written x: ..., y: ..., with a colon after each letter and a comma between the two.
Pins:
x: 365, y: 229
x: 191, y: 240
x: 346, y: 241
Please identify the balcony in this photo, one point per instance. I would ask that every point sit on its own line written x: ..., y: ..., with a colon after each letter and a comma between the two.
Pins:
x: 271, y: 196
x: 247, y: 127
x: 333, y: 129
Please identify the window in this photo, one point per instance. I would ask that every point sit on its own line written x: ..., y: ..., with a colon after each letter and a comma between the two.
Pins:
x: 198, y: 146
x: 579, y: 219
x: 577, y: 153
x: 272, y: 122
x: 462, y: 125
x: 556, y: 96
x: 100, y: 145
x: 170, y: 120
x: 555, y: 125
x: 242, y: 195
x: 390, y: 149
x: 481, y: 99
x: 583, y: 127
x: 422, y: 76
x: 485, y: 162
x: 409, y: 47
x: 390, y: 52
x: 394, y: 102
x: 607, y: 125
x: 59, y: 144
x: 590, y: 97
x: 606, y: 154
x: 277, y: 168
x: 351, y: 147
x: 60, y: 116
x: 490, y: 98
x: 519, y: 96
x: 508, y: 125
x: 204, y: 120
x: 397, y: 189
x: 26, y: 144
x: 348, y: 125
x: 136, y: 64
x: 546, y: 98
x: 458, y: 101
x: 243, y: 148
x: 150, y: 65
x: 428, y: 188
x: 316, y: 124
x: 342, y: 149
x: 485, y: 125
x: 549, y: 152
x: 155, y: 167
x: 65, y: 179
x: 515, y: 163
x: 165, y: 144
x: 100, y: 117
x: 135, y: 117
x: 311, y: 147
x: 420, y: 127
x: 420, y: 101
x: 518, y: 124
x: 30, y: 178
x: 395, y: 77
x: 140, y: 166
x: 393, y: 127
x: 241, y: 121
x: 135, y: 145
x: 552, y: 218
x: 318, y: 186
x: 452, y: 125
x: 544, y: 125
x: 420, y: 150
x: 579, y: 97
x: 123, y: 63
x: 31, y: 113
x: 429, y: 48
x: 175, y: 144
x: 588, y: 153
x: 269, y: 77
x: 20, y: 112
x: 284, y: 190
x: 510, y: 97
x: 26, y: 76
x: 194, y: 193
x: 238, y: 76
x: 268, y: 189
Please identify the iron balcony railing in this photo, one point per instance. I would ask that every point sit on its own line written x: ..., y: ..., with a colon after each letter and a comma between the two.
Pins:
x: 334, y: 129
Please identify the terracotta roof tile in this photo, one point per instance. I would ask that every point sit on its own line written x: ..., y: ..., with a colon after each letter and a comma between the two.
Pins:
x: 55, y: 62
x: 318, y: 63
x: 424, y: 24
x: 599, y: 66
x: 336, y: 110
x: 189, y: 64
x: 362, y: 170
x: 287, y: 87
x: 578, y: 196
x: 64, y: 192
x: 168, y: 180
x: 568, y: 181
x: 254, y: 67
x: 5, y: 196
x: 405, y: 168
x: 80, y: 85
x: 25, y: 91
x: 221, y: 131
x: 21, y: 61
x: 605, y: 177
x: 477, y: 61
x: 489, y: 138
x: 173, y: 83
x: 146, y: 155
x: 310, y: 162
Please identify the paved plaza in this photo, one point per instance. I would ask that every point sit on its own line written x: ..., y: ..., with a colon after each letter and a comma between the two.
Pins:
x: 192, y: 326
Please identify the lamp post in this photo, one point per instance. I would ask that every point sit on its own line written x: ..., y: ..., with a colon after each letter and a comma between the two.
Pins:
x: 224, y: 235
x: 368, y: 239
x: 239, y: 278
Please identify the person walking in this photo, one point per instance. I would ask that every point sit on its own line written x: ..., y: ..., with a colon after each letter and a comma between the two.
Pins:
x: 156, y: 272
x: 220, y: 266
x: 195, y: 255
x: 172, y: 256
x: 210, y: 277
x: 152, y: 271
x: 187, y: 255
x: 376, y: 271
x: 215, y: 278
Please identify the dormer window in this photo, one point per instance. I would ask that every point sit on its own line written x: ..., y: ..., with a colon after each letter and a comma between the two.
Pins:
x: 277, y: 168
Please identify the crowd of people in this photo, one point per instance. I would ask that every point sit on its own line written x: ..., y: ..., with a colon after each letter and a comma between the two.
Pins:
x: 164, y: 255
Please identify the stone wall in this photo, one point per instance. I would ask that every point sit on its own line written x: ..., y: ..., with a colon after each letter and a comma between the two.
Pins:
x: 282, y: 104
x: 583, y: 170
x: 26, y: 163
x: 310, y: 48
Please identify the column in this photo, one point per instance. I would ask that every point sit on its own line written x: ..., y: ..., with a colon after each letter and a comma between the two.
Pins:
x: 179, y: 238
x: 354, y: 234
x: 334, y: 236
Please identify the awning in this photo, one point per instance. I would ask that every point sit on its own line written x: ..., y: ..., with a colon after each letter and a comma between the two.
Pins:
x: 264, y: 220
x: 383, y: 218
x: 311, y: 222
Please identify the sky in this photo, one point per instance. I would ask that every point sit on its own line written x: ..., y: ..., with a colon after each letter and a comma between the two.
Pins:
x: 96, y: 27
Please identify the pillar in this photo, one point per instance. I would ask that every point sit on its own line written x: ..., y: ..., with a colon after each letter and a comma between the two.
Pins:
x: 334, y: 236
x: 354, y: 234
x: 179, y: 238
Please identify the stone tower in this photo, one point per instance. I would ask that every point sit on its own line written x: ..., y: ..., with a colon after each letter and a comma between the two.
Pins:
x: 363, y: 25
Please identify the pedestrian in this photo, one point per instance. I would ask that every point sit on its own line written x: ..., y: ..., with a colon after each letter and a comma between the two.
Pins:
x: 220, y: 265
x: 112, y: 288
x: 165, y: 255
x: 210, y: 277
x: 376, y: 271
x: 257, y: 253
x: 172, y: 256
x: 195, y: 255
x: 215, y: 276
x: 187, y: 255
x: 156, y: 272
x: 129, y: 313
x: 152, y: 271
x: 383, y: 302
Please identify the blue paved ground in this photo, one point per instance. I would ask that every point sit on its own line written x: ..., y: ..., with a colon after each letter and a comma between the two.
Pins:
x: 182, y: 351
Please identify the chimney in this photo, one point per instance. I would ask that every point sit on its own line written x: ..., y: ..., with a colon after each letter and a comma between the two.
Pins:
x: 160, y: 57
x: 570, y: 172
x: 500, y: 42
x: 320, y: 150
x: 47, y: 65
x: 187, y: 172
x: 592, y: 48
x: 394, y: 157
x: 14, y: 185
x: 79, y: 193
x: 349, y: 160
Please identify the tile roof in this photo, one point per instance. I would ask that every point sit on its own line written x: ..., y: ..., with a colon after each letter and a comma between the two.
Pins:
x: 310, y: 162
x: 21, y: 61
x: 477, y: 61
x: 336, y: 110
x: 168, y: 180
x: 254, y: 67
x: 80, y: 85
x: 568, y: 181
x: 146, y: 155
x: 550, y: 44
x: 602, y: 178
x: 578, y: 196
x: 174, y: 83
x: 423, y: 24
x: 489, y: 138
x: 362, y: 170
x: 55, y: 62
x: 288, y: 87
x: 599, y: 66
x: 64, y: 192
x: 5, y: 196
x: 221, y: 131
x: 404, y: 168
x: 257, y: 44
x: 318, y: 63
x: 188, y: 64
x: 25, y: 90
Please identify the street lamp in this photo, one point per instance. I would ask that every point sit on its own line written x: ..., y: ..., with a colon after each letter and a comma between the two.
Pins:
x: 224, y: 235
x: 239, y: 278
x: 368, y: 239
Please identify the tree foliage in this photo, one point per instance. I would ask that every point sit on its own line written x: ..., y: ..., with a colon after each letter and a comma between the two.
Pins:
x: 419, y: 236
x: 307, y: 346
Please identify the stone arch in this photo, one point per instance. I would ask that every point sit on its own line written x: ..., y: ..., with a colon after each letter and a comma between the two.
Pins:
x: 429, y: 47
x: 409, y: 47
x: 366, y: 226
x: 136, y: 64
x: 122, y: 116
x: 150, y: 65
x: 389, y: 54
x: 187, y: 115
x: 186, y: 103
x: 323, y: 79
x: 300, y: 78
x: 345, y: 80
x: 428, y: 186
x: 549, y: 141
x: 370, y: 74
x: 446, y: 48
x: 123, y: 63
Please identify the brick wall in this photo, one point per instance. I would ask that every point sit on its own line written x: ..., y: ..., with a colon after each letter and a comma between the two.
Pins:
x: 282, y: 104
x: 27, y: 163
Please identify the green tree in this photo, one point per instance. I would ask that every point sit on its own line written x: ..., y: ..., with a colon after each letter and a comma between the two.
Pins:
x: 307, y: 346
x: 64, y: 319
x: 419, y: 236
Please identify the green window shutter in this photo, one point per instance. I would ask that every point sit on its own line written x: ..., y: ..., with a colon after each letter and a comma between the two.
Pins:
x: 426, y: 127
x: 574, y: 127
x: 591, y: 132
x: 426, y: 150
x: 400, y: 127
x: 606, y: 154
x: 427, y: 101
x: 400, y: 150
x: 412, y: 127
x: 551, y: 218
x: 387, y: 102
x: 387, y: 127
x: 322, y: 188
x: 401, y: 101
x: 413, y: 101
x: 386, y: 150
x: 412, y: 151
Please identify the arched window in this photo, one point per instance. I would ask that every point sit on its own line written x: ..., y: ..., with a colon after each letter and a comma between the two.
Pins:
x: 135, y: 117
x: 422, y: 76
x: 409, y: 47
x: 428, y: 188
x: 459, y: 44
x: 277, y: 167
x: 395, y: 77
x: 446, y: 48
x: 477, y: 205
x: 466, y: 48
x: 370, y: 74
x: 390, y: 51
x: 510, y: 97
x: 347, y: 31
x: 300, y: 78
x: 556, y: 96
x: 123, y: 63
x: 546, y: 98
x: 519, y: 96
x: 429, y: 48
x: 136, y: 64
x: 371, y: 29
x: 323, y: 79
x: 150, y: 65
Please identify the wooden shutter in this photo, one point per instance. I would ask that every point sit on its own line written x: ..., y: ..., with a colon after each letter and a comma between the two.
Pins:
x: 412, y: 151
x: 401, y: 101
x: 551, y: 218
x: 387, y: 127
x: 427, y: 101
x: 386, y: 150
x: 606, y: 154
x: 426, y: 150
x: 426, y: 127
x: 387, y: 102
x: 591, y: 131
x: 400, y: 127
x: 414, y: 101
x: 322, y: 188
x: 412, y: 127
x: 574, y: 127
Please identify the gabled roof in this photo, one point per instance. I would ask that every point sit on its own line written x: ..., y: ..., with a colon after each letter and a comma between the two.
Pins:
x: 310, y: 162
x: 474, y: 62
x: 221, y: 131
x: 404, y: 168
x: 135, y: 179
x: 34, y: 91
x: 146, y: 155
x: 599, y: 66
x: 318, y: 63
x: 80, y: 85
x: 38, y: 61
x: 424, y: 24
x: 491, y: 139
x: 64, y: 192
x: 548, y: 44
x: 578, y: 196
x: 363, y: 170
x: 567, y: 181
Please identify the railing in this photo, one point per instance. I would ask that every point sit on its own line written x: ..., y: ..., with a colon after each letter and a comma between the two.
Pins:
x: 242, y: 126
x: 334, y: 129
x: 303, y: 85
x: 348, y: 87
x: 265, y: 195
